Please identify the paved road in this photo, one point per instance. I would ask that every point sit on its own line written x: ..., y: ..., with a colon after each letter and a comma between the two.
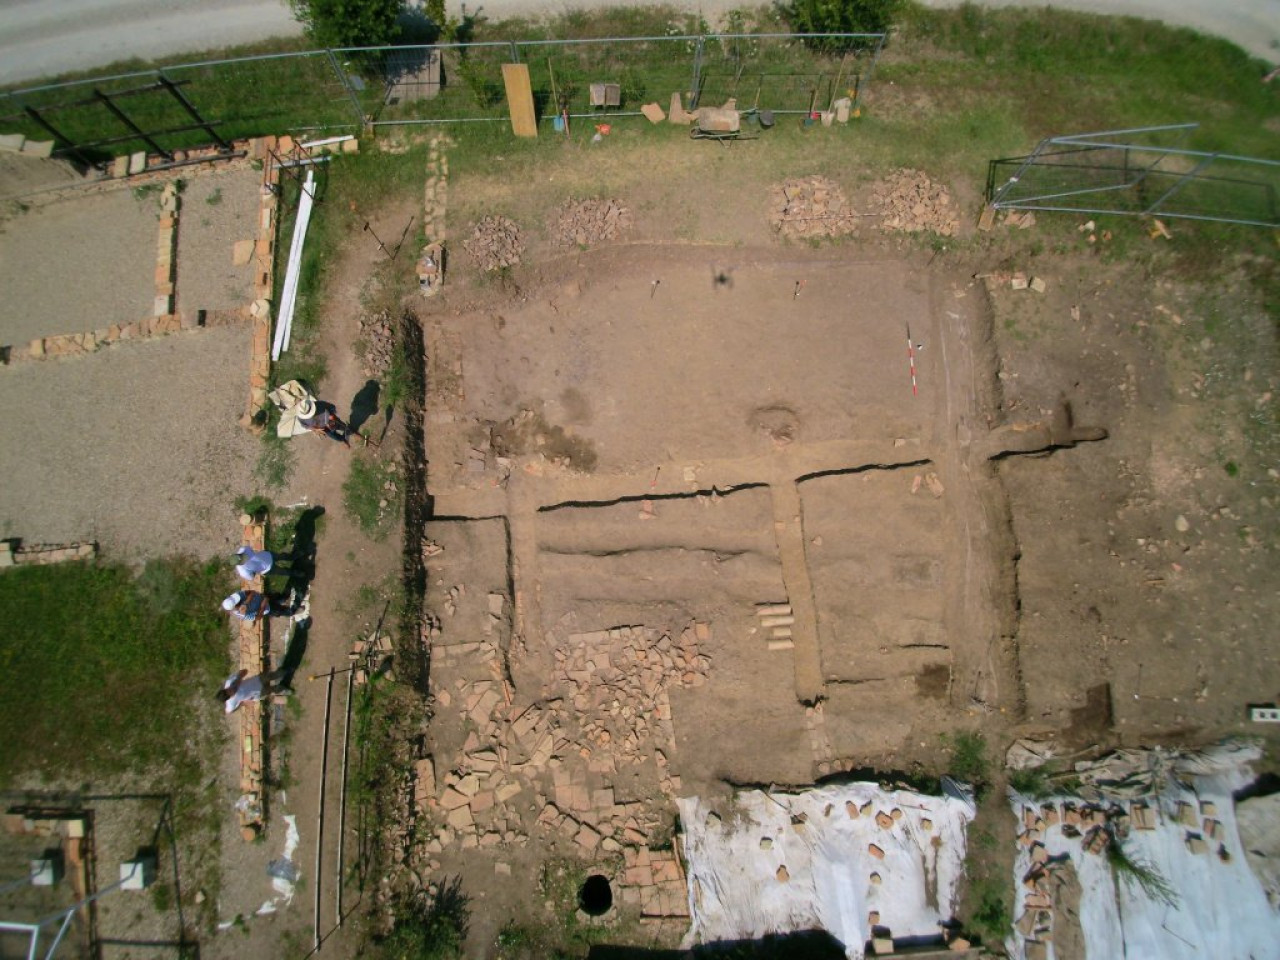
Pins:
x: 43, y: 37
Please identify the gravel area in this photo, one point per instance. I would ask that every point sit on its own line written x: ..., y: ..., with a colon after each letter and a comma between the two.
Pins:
x: 136, y: 446
x: 78, y: 265
x: 218, y: 210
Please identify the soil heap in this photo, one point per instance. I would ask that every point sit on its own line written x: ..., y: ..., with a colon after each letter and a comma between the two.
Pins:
x: 378, y: 340
x: 587, y: 222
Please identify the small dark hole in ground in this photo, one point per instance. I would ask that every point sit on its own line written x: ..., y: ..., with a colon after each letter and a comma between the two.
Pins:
x: 595, y: 896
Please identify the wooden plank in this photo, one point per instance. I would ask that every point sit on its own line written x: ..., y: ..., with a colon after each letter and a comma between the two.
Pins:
x: 515, y: 76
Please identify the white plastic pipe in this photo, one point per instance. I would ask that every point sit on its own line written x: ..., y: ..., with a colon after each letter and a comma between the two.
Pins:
x: 289, y: 292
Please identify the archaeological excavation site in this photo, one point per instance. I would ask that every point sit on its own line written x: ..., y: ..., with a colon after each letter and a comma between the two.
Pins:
x: 675, y: 524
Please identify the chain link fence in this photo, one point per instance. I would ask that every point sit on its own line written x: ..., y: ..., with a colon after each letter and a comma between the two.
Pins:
x: 346, y: 89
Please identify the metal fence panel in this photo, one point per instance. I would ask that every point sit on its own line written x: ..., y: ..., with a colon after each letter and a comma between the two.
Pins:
x: 1135, y: 172
x: 344, y: 88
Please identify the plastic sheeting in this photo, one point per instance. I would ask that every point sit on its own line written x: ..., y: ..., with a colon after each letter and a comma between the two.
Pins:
x: 734, y: 854
x: 288, y: 399
x: 1220, y: 908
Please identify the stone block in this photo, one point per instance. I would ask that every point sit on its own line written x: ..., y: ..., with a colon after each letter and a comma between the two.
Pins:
x: 137, y: 162
x: 12, y: 142
x: 460, y: 818
x: 241, y: 252
x: 588, y: 838
x: 43, y: 149
x: 161, y: 306
x: 453, y: 799
x: 653, y: 112
x: 507, y: 792
x: 37, y: 348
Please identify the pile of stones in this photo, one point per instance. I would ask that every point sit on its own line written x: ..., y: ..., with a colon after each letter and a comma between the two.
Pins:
x: 810, y: 207
x: 586, y: 222
x: 495, y: 243
x: 909, y: 201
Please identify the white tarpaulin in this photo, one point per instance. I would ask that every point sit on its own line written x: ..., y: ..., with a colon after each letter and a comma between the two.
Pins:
x: 833, y: 878
x: 1219, y: 908
x: 289, y: 399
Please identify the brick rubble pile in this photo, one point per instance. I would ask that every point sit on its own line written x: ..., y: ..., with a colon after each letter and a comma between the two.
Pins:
x: 587, y: 222
x: 495, y: 243
x: 910, y: 202
x: 805, y: 207
x: 547, y: 770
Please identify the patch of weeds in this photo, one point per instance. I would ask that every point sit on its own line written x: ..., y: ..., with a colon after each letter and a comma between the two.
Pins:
x: 162, y: 896
x: 146, y: 190
x: 991, y: 917
x: 984, y: 840
x: 369, y: 599
x: 1232, y: 468
x: 371, y: 496
x: 275, y: 460
x: 253, y: 505
x: 1030, y: 783
x: 513, y: 937
x: 430, y: 930
x: 969, y: 759
x: 559, y: 884
x: 1136, y: 872
x: 214, y: 198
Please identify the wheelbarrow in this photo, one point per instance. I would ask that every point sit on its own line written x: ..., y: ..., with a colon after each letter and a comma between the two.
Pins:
x: 718, y: 123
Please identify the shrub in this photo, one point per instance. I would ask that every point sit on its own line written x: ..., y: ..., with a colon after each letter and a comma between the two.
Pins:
x: 838, y: 16
x: 349, y: 23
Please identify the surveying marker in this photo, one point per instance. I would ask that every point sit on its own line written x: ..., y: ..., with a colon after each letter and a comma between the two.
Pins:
x: 911, y: 361
x: 795, y: 294
x: 653, y: 288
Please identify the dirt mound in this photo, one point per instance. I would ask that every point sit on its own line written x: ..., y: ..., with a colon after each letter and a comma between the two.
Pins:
x: 909, y: 201
x: 587, y: 222
x: 810, y: 207
x: 377, y: 338
x: 528, y: 432
x: 495, y: 243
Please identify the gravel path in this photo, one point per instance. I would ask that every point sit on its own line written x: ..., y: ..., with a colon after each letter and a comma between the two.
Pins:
x: 217, y: 211
x: 78, y: 265
x: 136, y: 446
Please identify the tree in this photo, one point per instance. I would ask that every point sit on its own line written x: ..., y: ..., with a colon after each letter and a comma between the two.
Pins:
x: 838, y: 16
x: 349, y: 23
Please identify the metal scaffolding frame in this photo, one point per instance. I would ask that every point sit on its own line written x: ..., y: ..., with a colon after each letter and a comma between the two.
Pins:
x: 1131, y: 173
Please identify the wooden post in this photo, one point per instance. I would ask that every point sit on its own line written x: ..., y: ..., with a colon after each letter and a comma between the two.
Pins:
x: 515, y: 76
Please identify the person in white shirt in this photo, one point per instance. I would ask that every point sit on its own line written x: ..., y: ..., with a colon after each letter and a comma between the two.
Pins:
x: 254, y: 563
x: 242, y: 688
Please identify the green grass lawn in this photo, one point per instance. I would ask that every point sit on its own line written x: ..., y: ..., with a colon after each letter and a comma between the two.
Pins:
x: 104, y: 671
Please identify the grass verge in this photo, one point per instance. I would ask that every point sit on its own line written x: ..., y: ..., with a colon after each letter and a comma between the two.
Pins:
x: 371, y: 495
x: 100, y: 666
